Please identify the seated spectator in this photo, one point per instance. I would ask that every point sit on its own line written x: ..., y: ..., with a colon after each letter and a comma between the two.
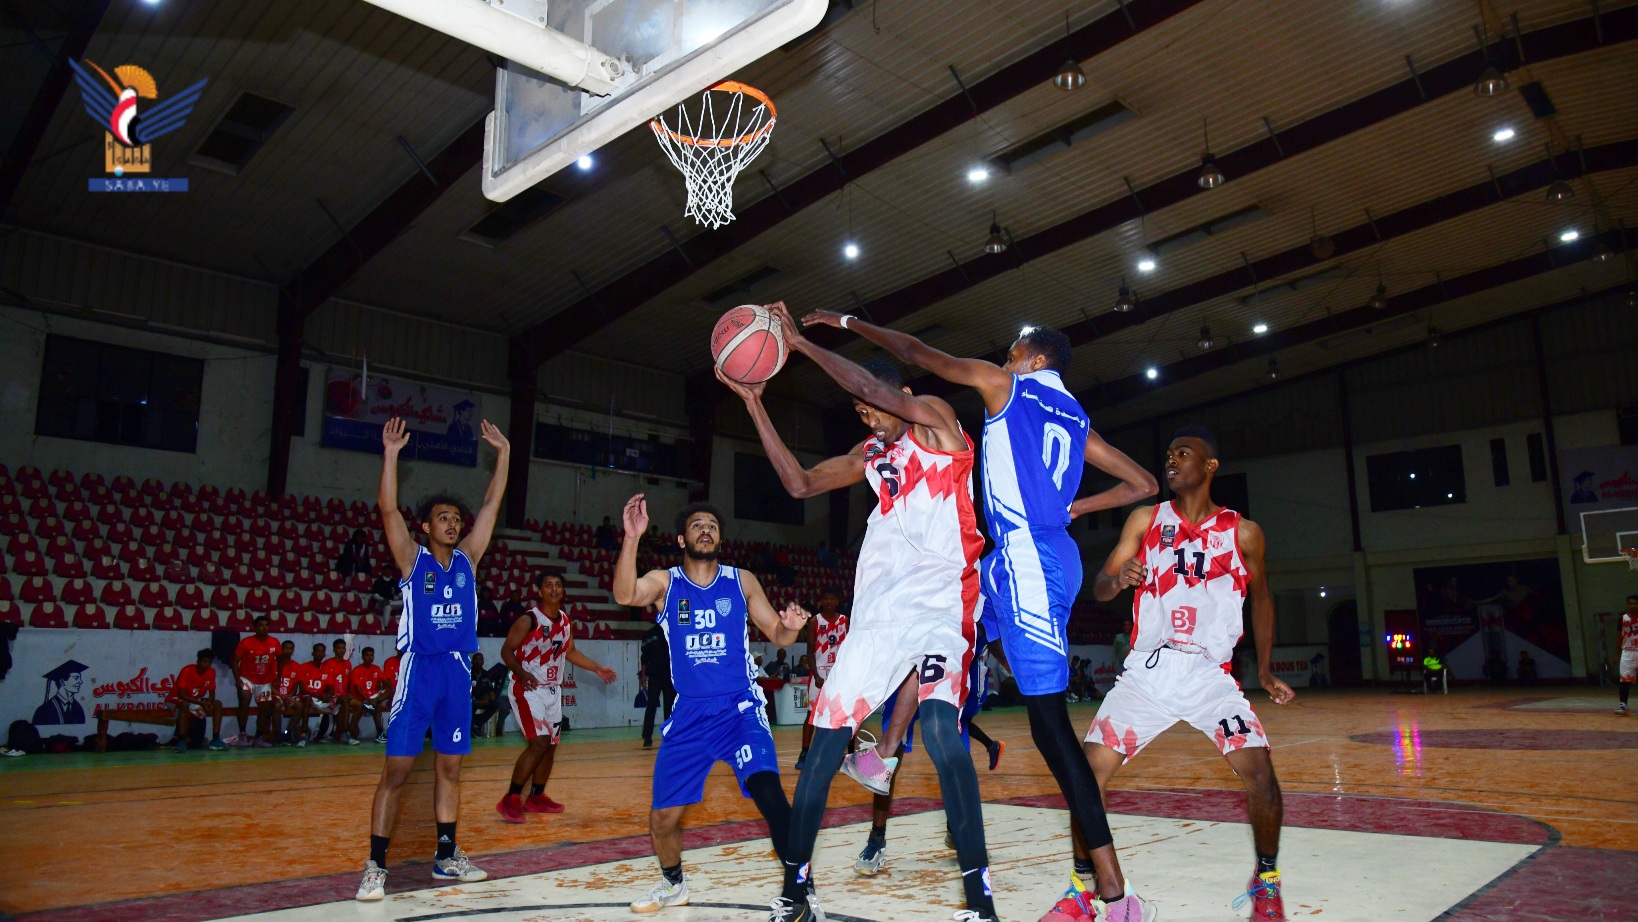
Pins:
x: 780, y: 669
x: 338, y: 672
x: 194, y: 695
x: 384, y: 592
x: 487, y: 687
x: 367, y: 694
x: 606, y: 537
x: 355, y: 554
x: 1526, y: 668
x: 1433, y: 669
x: 803, y: 669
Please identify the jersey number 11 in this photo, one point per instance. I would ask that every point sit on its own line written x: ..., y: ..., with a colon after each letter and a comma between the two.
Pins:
x: 1198, y: 571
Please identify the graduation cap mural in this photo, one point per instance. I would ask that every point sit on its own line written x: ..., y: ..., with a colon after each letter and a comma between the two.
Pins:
x: 460, y: 424
x: 62, y: 701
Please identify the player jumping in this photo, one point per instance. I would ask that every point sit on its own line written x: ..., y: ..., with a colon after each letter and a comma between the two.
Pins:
x: 437, y: 635
x: 1192, y: 563
x: 721, y: 714
x: 535, y: 650
x: 915, y: 598
x: 1036, y: 440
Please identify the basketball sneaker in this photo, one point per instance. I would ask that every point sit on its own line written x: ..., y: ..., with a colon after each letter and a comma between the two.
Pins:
x: 871, y: 770
x: 783, y: 910
x: 801, y: 759
x: 1073, y: 906
x: 663, y: 894
x: 540, y: 803
x: 974, y: 915
x: 1128, y: 908
x: 996, y: 747
x: 1264, y: 895
x: 217, y: 744
x: 374, y: 885
x: 181, y: 745
x: 872, y: 859
x: 262, y: 744
x: 458, y: 867
x: 1621, y: 708
x: 510, y: 809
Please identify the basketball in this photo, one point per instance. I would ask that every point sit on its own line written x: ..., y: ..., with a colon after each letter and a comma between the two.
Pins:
x: 748, y: 345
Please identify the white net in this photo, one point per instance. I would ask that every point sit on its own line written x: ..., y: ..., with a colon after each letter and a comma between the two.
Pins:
x: 710, y: 146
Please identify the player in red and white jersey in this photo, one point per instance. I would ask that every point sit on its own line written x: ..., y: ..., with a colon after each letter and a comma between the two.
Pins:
x: 825, y: 633
x: 536, y: 649
x: 255, y: 669
x: 1191, y: 564
x: 1629, y: 651
x: 915, y: 601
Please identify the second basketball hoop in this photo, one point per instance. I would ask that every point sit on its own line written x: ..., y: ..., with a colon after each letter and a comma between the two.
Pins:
x: 726, y: 129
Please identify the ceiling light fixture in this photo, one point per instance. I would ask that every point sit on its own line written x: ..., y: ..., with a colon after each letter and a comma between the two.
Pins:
x: 1205, y: 342
x: 1127, y: 301
x: 1558, y: 190
x: 1260, y: 329
x: 1210, y: 176
x: 1069, y: 75
x: 1321, y: 246
x: 977, y: 174
x: 1435, y: 337
x: 1503, y: 135
x: 850, y: 250
x: 996, y: 243
x: 1152, y: 373
x: 585, y: 162
x: 1569, y: 236
x: 1379, y: 300
x: 1146, y: 264
x: 1273, y: 373
x: 1491, y: 82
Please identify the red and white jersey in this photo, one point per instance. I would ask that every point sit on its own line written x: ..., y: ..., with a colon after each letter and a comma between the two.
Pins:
x: 1629, y: 634
x: 827, y: 638
x: 921, y: 545
x: 542, y: 652
x: 1193, y: 596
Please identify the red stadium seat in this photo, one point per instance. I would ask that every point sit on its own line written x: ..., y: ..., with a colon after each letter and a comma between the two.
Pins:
x: 48, y: 614
x: 13, y: 523
x: 244, y: 577
x: 91, y: 617
x: 85, y: 530
x: 50, y: 527
x: 130, y: 618
x: 247, y: 543
x: 352, y: 603
x: 166, y: 553
x: 192, y: 505
x: 224, y: 598
x: 78, y: 592
x: 5, y: 590
x: 178, y: 571
x: 152, y: 487
x: 211, y: 574
x: 216, y: 540
x: 76, y: 511
x: 338, y: 624
x: 29, y: 563
x: 288, y: 530
x: 70, y: 566
x: 116, y: 594
x: 198, y: 558
x: 280, y: 623
x: 228, y: 559
x: 209, y: 491
x: 259, y: 600
x: 10, y: 613
x: 120, y: 533
x: 122, y: 483
x: 240, y: 620
x: 91, y: 480
x: 37, y: 589
x: 203, y: 523
x: 174, y: 522
x: 306, y: 580
x: 154, y: 595
x: 42, y: 508
x: 322, y: 603
x: 261, y: 528
x: 143, y: 517
x: 190, y: 597
x: 110, y: 514
x: 313, y: 532
x: 142, y: 570
x: 151, y: 535
x: 9, y: 504
x: 133, y: 500
x: 276, y: 577
x: 290, y: 601
x: 202, y: 620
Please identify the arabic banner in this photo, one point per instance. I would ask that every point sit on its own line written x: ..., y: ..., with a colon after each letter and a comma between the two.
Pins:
x: 442, y: 422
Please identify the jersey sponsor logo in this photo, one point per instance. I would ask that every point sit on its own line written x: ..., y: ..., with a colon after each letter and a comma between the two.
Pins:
x: 445, y: 616
x: 705, y: 646
x: 1184, y: 618
x: 1168, y: 534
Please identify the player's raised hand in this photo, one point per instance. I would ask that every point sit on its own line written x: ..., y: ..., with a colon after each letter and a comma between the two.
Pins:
x: 794, y: 616
x: 607, y: 675
x: 635, y: 516
x: 1278, y: 690
x: 1132, y: 574
x: 787, y: 324
x: 494, y: 436
x: 394, y: 435
x: 823, y: 318
x: 749, y: 393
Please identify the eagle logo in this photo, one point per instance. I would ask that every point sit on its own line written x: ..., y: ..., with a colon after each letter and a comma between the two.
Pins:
x: 114, y: 102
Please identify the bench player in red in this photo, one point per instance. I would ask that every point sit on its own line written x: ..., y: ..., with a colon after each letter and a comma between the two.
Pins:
x: 255, y: 670
x: 194, y: 694
x: 1192, y: 563
x: 535, y: 650
x: 367, y: 693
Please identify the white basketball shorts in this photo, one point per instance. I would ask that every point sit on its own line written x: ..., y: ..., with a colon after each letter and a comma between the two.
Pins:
x: 1160, y: 688
x: 1629, y: 665
x: 872, y: 661
x: 260, y: 693
x: 539, y: 710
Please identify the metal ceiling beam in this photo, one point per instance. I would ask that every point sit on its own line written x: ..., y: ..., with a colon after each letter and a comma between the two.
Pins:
x: 31, y: 131
x: 654, y: 277
x: 1364, y: 236
x: 1429, y: 296
x: 1455, y: 75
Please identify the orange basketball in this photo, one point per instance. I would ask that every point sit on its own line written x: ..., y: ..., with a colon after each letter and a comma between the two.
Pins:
x: 748, y: 345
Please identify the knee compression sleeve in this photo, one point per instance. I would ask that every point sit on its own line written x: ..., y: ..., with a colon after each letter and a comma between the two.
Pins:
x: 808, y: 809
x: 770, y: 800
x: 941, y: 734
x: 1055, y: 739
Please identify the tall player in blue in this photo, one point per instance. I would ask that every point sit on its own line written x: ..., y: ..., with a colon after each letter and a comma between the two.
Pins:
x: 1035, y: 433
x: 437, y: 635
x: 720, y: 714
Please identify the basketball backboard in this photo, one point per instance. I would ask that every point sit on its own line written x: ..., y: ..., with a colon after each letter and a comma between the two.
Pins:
x: 670, y: 50
x: 1607, y: 533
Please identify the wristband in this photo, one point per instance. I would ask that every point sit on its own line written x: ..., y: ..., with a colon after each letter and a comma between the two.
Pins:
x: 845, y: 319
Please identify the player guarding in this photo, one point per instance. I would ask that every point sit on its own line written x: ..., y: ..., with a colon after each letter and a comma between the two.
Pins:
x: 1036, y: 438
x: 1629, y: 651
x: 1191, y: 563
x: 915, y: 598
x: 825, y: 634
x: 535, y: 650
x: 437, y: 635
x: 721, y: 715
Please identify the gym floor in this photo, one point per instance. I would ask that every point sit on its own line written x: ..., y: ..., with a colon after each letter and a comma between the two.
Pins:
x: 1495, y: 804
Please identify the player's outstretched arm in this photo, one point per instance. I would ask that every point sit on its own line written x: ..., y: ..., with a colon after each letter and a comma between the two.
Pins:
x: 572, y: 654
x: 483, y: 524
x: 800, y: 482
x: 862, y: 384
x: 1123, y: 569
x: 394, y: 436
x: 1252, y: 544
x: 1135, y: 482
x: 629, y: 589
x: 515, y: 637
x: 992, y: 382
x: 781, y: 627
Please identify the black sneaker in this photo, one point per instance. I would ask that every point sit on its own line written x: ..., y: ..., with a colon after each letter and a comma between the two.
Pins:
x: 782, y: 909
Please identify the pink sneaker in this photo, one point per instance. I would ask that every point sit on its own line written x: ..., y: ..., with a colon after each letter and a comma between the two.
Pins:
x: 1127, y: 909
x: 871, y: 770
x: 510, y: 808
x: 1264, y: 894
x: 1076, y: 906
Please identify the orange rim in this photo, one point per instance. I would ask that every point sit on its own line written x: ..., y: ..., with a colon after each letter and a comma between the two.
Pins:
x: 726, y: 86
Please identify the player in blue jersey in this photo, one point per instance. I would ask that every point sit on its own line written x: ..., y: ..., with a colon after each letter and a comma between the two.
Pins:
x: 1035, y: 432
x: 720, y: 715
x: 437, y: 635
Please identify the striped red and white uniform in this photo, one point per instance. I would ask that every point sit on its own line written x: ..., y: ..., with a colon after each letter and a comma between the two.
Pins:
x: 827, y: 639
x: 1629, y: 648
x: 916, y: 589
x: 542, y: 655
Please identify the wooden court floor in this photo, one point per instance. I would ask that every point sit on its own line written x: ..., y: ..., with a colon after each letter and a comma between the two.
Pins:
x: 140, y: 829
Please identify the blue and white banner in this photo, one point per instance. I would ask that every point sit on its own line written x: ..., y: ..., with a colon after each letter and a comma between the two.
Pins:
x: 442, y: 422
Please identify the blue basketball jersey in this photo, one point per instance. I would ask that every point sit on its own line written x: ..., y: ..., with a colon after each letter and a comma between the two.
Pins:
x: 705, y: 627
x: 440, y: 606
x: 1034, y: 451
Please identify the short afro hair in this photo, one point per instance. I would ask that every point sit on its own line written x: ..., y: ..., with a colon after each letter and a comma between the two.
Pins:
x: 687, y: 512
x: 883, y: 371
x: 423, y: 512
x: 1201, y: 433
x: 545, y: 575
x: 205, y: 653
x: 1052, y: 344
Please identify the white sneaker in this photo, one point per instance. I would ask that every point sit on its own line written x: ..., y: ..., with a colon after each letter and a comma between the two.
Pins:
x: 1621, y: 708
x: 870, y: 770
x: 458, y: 867
x: 663, y: 894
x: 374, y: 885
x: 871, y: 861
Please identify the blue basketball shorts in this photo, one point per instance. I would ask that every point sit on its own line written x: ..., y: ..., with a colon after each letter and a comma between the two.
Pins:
x: 1032, y: 581
x: 705, y: 731
x: 434, y: 690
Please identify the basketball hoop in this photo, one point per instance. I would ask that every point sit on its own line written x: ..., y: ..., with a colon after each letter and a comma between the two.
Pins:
x: 1632, y: 558
x: 712, y: 145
